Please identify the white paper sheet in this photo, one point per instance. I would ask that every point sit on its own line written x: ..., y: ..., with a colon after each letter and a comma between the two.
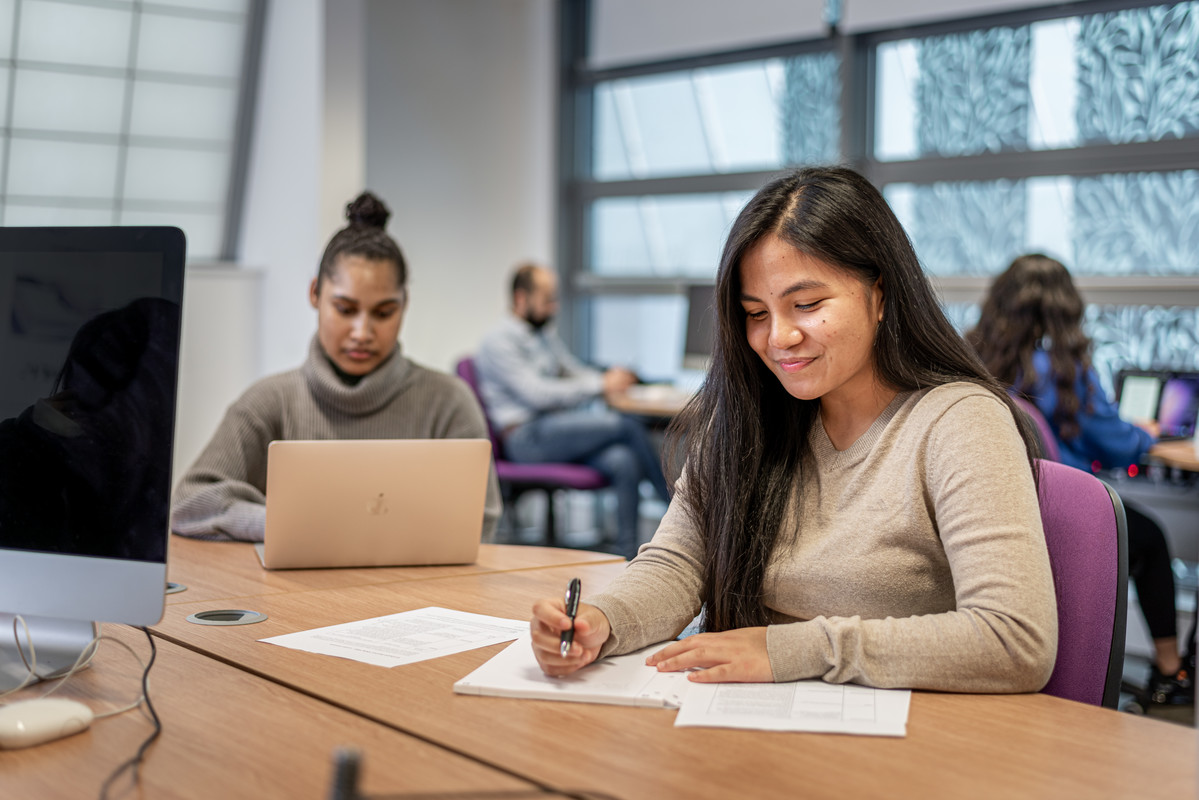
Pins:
x: 812, y: 706
x: 404, y: 638
x: 618, y: 680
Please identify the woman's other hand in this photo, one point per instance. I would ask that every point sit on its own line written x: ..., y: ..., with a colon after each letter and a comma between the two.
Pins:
x: 737, y: 656
x: 548, y: 623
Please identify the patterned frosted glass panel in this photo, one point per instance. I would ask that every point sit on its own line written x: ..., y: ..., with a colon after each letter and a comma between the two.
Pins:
x: 1135, y: 337
x: 75, y: 34
x: 1137, y: 223
x: 961, y: 94
x: 155, y: 174
x: 50, y: 101
x: 1126, y: 76
x: 811, y: 115
x: 644, y: 333
x: 962, y: 228
x: 193, y: 46
x: 61, y: 169
x: 667, y: 235
x: 1142, y: 337
x: 1123, y: 224
x: 1138, y: 74
x: 192, y: 112
x: 754, y: 116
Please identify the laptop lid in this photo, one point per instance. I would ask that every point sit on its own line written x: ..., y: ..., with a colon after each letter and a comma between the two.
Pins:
x: 374, y: 502
x: 1179, y: 406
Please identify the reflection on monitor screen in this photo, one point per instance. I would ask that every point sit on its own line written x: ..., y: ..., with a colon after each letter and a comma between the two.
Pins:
x: 89, y: 349
x: 701, y: 316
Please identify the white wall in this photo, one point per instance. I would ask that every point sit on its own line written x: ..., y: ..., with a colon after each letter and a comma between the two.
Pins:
x: 281, y: 226
x: 460, y: 144
x: 220, y: 311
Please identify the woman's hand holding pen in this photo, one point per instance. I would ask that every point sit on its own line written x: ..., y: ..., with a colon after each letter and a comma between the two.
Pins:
x: 737, y: 656
x: 591, y: 630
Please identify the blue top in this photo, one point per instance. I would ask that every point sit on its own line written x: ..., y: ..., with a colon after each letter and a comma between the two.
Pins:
x: 524, y: 372
x: 1103, y: 436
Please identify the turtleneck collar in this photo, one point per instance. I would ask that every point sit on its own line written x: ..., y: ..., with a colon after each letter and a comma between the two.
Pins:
x: 367, y: 396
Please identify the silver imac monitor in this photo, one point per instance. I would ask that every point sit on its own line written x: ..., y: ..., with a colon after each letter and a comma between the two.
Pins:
x: 89, y: 352
x: 701, y: 319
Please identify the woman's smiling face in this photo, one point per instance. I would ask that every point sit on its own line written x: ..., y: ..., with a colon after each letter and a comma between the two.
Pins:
x: 812, y: 324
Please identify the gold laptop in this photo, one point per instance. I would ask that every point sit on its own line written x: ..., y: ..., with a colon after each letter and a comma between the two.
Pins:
x: 374, y: 502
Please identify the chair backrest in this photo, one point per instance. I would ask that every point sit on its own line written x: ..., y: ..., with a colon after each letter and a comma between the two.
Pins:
x: 467, y: 372
x: 1049, y: 446
x: 1086, y: 532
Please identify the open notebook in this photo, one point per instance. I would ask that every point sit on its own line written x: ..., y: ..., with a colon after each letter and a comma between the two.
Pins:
x: 374, y: 502
x: 811, y: 705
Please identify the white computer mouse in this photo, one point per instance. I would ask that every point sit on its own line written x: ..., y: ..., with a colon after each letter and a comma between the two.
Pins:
x: 43, y: 719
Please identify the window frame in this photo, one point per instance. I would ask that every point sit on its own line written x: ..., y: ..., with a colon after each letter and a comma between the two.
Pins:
x: 857, y: 52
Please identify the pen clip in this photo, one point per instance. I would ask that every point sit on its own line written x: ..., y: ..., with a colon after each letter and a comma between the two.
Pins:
x: 573, y: 590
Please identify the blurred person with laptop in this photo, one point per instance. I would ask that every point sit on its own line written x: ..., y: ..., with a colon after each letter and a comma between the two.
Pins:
x: 1030, y: 337
x: 354, y: 384
x: 536, y: 392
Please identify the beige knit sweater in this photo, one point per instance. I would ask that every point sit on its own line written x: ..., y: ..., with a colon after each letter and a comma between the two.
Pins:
x: 916, y: 559
x: 223, y: 495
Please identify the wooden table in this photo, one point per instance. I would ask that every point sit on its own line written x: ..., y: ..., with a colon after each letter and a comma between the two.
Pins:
x: 1179, y: 453
x: 226, y: 734
x: 215, y: 570
x: 650, y: 401
x: 984, y: 746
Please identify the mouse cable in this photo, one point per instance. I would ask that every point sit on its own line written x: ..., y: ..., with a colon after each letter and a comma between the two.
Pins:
x: 134, y: 762
x: 31, y: 675
x: 62, y: 679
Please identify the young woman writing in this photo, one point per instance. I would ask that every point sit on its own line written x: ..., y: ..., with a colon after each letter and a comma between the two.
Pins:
x: 858, y: 501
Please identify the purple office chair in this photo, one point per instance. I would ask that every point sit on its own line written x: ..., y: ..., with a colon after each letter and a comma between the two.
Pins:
x: 1086, y: 532
x: 517, y: 478
x: 1049, y: 446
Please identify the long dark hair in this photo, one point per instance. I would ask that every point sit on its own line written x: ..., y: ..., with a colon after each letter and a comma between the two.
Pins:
x: 743, y: 438
x: 1034, y: 304
x: 365, y: 236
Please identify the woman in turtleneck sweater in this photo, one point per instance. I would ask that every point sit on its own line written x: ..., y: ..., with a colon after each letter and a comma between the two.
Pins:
x: 355, y: 384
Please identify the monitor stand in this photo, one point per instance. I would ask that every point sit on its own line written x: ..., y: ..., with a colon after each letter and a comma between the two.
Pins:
x: 58, y: 643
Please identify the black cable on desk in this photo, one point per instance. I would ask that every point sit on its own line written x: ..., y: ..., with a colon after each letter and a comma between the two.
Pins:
x: 135, y: 761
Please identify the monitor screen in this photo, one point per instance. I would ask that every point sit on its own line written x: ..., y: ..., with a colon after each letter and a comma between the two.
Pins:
x: 1179, y: 406
x: 701, y: 317
x: 89, y: 350
x: 1139, y: 396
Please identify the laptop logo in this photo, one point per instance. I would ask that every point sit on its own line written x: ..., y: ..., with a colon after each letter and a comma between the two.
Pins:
x: 377, y: 507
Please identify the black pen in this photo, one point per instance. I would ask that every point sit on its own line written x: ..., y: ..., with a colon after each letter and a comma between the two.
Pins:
x: 572, y: 608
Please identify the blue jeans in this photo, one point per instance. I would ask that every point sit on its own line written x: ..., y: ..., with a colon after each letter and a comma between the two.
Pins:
x: 616, y: 445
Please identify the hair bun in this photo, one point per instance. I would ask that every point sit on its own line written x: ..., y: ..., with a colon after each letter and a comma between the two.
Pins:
x: 368, y: 211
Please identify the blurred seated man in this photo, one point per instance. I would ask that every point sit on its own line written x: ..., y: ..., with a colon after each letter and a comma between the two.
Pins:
x: 536, y: 392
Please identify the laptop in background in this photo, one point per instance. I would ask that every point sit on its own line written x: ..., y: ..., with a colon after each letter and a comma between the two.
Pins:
x: 374, y: 502
x: 1178, y: 406
x: 1138, y: 394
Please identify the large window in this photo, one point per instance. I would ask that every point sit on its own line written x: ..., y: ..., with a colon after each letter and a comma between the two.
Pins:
x: 1068, y: 130
x: 126, y: 113
x: 670, y: 157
